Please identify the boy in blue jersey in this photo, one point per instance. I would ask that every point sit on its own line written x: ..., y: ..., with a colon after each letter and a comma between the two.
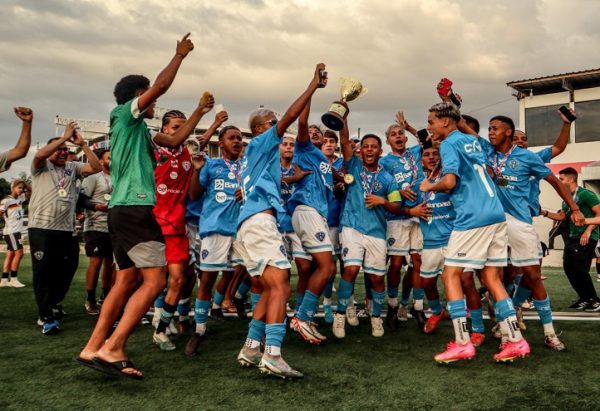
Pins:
x: 218, y: 181
x: 404, y: 235
x: 478, y: 239
x: 261, y: 244
x: 371, y: 193
x: 514, y: 169
x: 309, y: 207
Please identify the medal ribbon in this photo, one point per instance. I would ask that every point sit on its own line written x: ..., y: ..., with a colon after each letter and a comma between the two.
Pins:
x: 366, y: 186
x: 233, y: 170
x: 499, y: 165
x: 108, y: 182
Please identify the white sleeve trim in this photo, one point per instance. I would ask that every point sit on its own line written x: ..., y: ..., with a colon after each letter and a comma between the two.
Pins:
x: 135, y: 110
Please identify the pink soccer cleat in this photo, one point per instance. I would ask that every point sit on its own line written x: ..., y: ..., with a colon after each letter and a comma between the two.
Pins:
x: 477, y: 339
x: 455, y: 352
x: 512, y: 350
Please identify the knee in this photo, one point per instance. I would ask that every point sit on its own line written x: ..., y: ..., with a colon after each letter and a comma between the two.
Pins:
x: 281, y: 290
x: 176, y: 283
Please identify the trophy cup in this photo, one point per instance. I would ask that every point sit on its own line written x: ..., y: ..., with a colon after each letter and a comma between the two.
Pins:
x: 350, y: 90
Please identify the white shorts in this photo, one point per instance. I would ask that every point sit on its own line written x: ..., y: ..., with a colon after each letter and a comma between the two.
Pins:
x: 404, y: 237
x: 359, y: 249
x: 524, y: 243
x: 432, y: 262
x: 334, y: 235
x: 261, y: 244
x: 218, y: 253
x: 293, y: 246
x: 312, y: 229
x: 478, y: 247
x: 192, y: 230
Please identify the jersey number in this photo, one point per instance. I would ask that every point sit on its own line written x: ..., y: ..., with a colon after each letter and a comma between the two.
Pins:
x: 481, y: 173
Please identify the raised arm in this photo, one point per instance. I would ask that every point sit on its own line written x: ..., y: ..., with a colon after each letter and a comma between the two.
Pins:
x: 93, y: 165
x: 563, y: 137
x: 303, y: 124
x: 220, y: 118
x: 404, y: 124
x: 347, y: 151
x: 43, y: 153
x: 21, y: 149
x: 576, y: 216
x: 167, y: 75
x: 196, y: 190
x: 297, y: 106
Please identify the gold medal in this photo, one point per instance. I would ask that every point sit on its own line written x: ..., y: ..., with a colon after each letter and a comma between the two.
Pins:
x: 107, y: 197
x: 62, y: 193
x: 348, y: 179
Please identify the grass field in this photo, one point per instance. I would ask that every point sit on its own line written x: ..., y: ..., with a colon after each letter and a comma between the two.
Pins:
x: 359, y: 372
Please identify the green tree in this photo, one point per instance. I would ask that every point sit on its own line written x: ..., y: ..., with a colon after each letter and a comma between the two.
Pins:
x: 4, y: 188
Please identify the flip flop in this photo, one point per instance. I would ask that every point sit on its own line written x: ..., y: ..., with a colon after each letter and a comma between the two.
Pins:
x: 116, y: 368
x: 91, y: 364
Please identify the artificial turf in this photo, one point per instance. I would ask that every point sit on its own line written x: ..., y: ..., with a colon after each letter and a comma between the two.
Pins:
x: 358, y: 372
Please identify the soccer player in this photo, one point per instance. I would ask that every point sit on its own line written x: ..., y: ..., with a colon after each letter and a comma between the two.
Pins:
x: 11, y: 210
x: 371, y: 193
x: 98, y: 247
x: 138, y: 243
x: 478, y: 239
x: 514, y: 168
x: 261, y: 243
x: 219, y: 180
x: 51, y: 210
x: 404, y: 235
x: 21, y: 149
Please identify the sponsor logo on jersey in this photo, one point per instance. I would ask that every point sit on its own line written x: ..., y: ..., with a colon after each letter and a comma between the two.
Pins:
x: 325, y: 167
x: 472, y: 147
x: 221, y: 197
x: 161, y: 189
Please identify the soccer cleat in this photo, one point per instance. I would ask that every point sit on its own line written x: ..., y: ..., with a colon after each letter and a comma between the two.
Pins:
x: 185, y: 327
x: 328, y: 313
x: 163, y: 342
x: 217, y: 314
x: 91, y: 308
x: 191, y: 348
x: 377, y: 327
x: 477, y: 339
x: 305, y: 329
x: 239, y: 307
x: 39, y: 322
x: 351, y: 317
x: 455, y: 352
x: 4, y: 283
x: 50, y: 327
x: 59, y: 311
x: 512, y: 350
x: 249, y: 357
x: 391, y: 318
x: 552, y: 341
x: 276, y: 365
x: 15, y: 283
x: 339, y: 325
x: 316, y: 333
x: 520, y: 321
x: 403, y: 313
x: 593, y: 306
x: 419, y: 316
x: 433, y: 321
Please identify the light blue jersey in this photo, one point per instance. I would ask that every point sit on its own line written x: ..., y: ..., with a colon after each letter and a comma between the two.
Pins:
x: 286, y: 192
x: 474, y: 197
x: 220, y: 211
x: 534, y: 195
x: 315, y: 188
x: 356, y: 215
x: 193, y: 209
x: 406, y: 170
x: 334, y: 202
x: 437, y: 229
x: 517, y: 168
x: 261, y: 177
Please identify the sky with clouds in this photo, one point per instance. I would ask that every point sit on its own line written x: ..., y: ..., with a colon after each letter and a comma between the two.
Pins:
x: 64, y: 57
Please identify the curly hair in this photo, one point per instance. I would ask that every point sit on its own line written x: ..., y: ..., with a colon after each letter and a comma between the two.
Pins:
x: 128, y: 87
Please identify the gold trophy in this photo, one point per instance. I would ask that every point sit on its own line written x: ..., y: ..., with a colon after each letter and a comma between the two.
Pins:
x: 350, y: 90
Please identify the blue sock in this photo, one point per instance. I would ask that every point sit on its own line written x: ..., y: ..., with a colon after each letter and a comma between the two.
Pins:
x: 256, y: 330
x: 477, y: 320
x: 254, y: 297
x: 405, y: 296
x: 344, y: 294
x: 243, y: 288
x: 457, y: 309
x: 299, y: 298
x: 274, y: 333
x: 504, y: 309
x: 183, y: 307
x: 201, y: 311
x: 368, y: 287
x: 520, y: 296
x: 510, y: 288
x: 544, y: 310
x: 518, y: 279
x: 328, y: 291
x: 160, y: 300
x: 392, y: 292
x: 378, y: 300
x: 218, y: 298
x: 418, y: 293
x: 308, y: 308
x: 435, y: 306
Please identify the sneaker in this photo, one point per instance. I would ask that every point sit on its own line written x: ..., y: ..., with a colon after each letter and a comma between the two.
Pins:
x: 249, y: 357
x: 4, y: 283
x: 377, y: 327
x: 419, y: 316
x: 584, y: 305
x: 91, y: 308
x: 403, y: 313
x: 305, y: 329
x: 391, y: 318
x: 351, y: 316
x: 520, y: 321
x: 172, y: 329
x: 239, y: 306
x: 455, y: 352
x: 513, y: 350
x: 217, y: 314
x: 328, y: 313
x: 156, y: 317
x: 433, y: 321
x: 144, y: 321
x: 15, y: 283
x: 577, y: 304
x: 39, y: 322
x: 59, y: 311
x: 50, y: 327
x: 477, y: 339
x: 191, y: 348
x: 276, y: 365
x: 316, y: 333
x: 185, y: 327
x: 496, y: 331
x: 593, y: 307
x: 339, y: 325
x: 163, y: 342
x: 552, y: 341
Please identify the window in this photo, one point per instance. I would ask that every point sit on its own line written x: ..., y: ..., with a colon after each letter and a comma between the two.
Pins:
x: 542, y: 125
x: 587, y: 126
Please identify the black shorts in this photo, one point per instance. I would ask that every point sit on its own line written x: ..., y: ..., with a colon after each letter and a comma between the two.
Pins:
x: 13, y: 241
x: 136, y: 237
x: 97, y: 244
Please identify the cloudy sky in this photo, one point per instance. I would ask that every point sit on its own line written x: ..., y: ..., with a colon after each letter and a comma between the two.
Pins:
x: 64, y: 57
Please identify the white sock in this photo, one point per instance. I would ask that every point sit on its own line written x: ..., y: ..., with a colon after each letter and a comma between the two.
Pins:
x: 273, y: 350
x: 512, y: 327
x: 326, y: 301
x: 250, y: 343
x: 201, y: 329
x: 393, y: 302
x: 549, y: 329
x: 460, y: 330
x: 350, y: 302
x: 418, y: 304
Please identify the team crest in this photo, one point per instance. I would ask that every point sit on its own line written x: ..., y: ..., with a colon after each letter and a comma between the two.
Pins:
x: 174, y: 164
x: 186, y: 165
x: 219, y: 170
x: 391, y: 241
x: 377, y: 186
x: 204, y: 253
x: 68, y: 171
x: 324, y: 167
x: 320, y: 236
x: 282, y: 250
x: 38, y: 255
x: 345, y: 251
x: 513, y: 164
